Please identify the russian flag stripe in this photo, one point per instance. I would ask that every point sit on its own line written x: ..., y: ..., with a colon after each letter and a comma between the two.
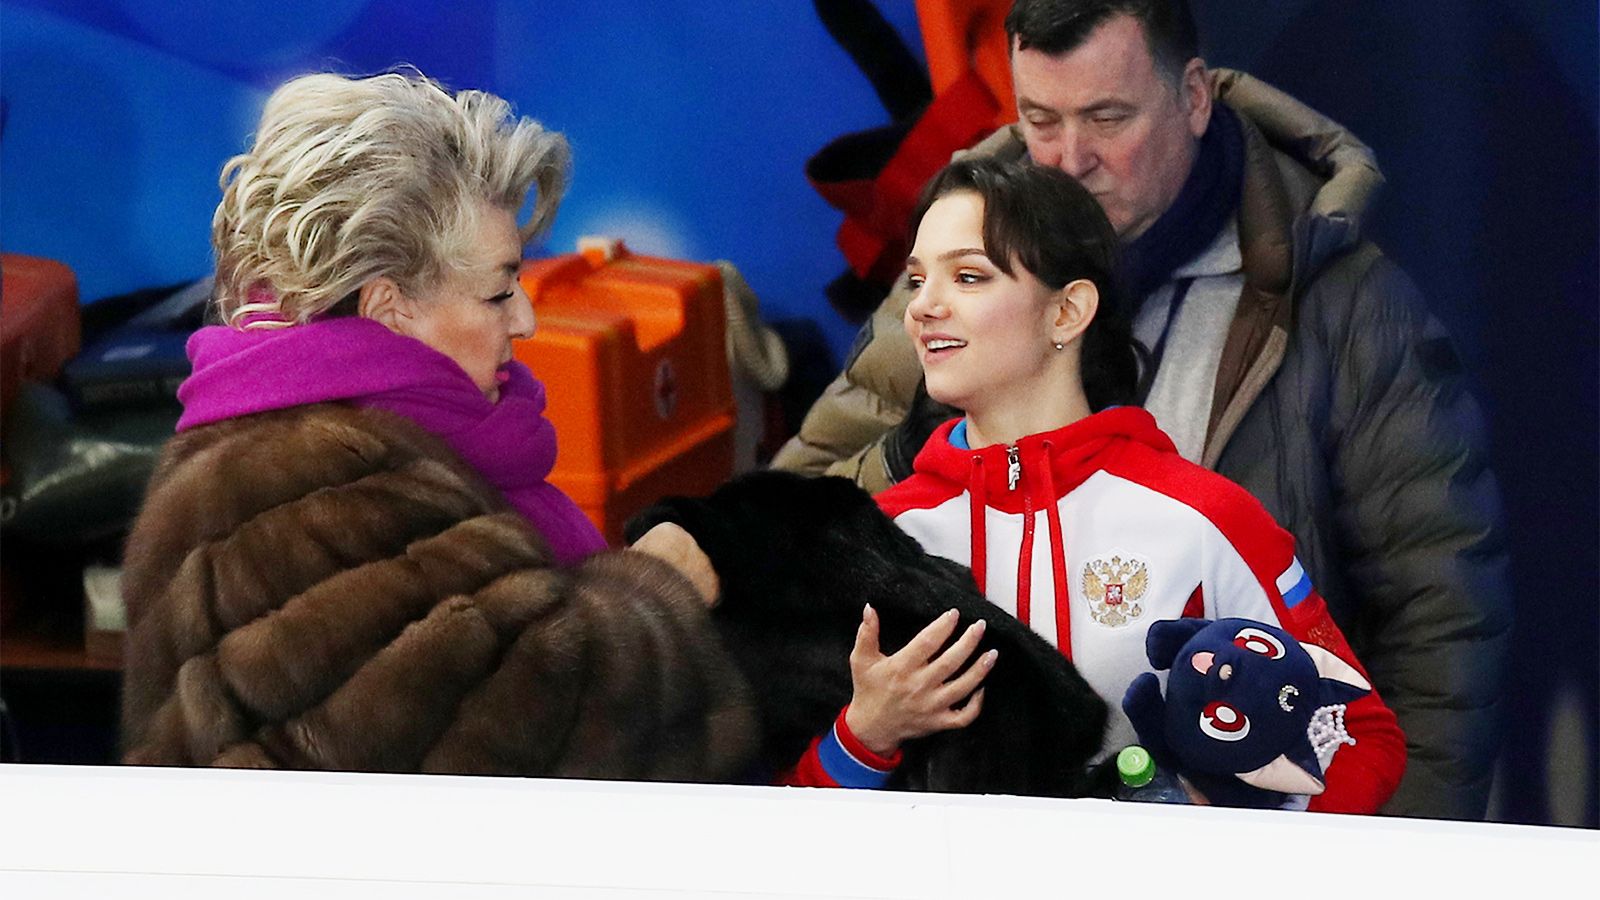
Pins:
x: 1291, y: 576
x: 1294, y: 595
x: 1294, y: 584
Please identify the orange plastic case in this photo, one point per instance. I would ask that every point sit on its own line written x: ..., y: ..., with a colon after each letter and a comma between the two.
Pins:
x: 39, y: 325
x: 632, y: 353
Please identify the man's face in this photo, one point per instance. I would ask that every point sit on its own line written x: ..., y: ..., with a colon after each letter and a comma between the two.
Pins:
x: 1104, y: 114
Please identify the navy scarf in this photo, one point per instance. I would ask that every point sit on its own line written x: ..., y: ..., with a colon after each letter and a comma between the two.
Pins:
x: 1209, y: 196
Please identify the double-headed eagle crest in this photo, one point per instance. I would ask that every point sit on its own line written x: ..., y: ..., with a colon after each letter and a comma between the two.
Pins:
x: 1114, y: 588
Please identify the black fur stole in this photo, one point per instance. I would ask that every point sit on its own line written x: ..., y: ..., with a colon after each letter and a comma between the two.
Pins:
x: 798, y: 557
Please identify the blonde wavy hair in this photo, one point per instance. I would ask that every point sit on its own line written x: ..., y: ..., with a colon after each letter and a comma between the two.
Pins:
x: 355, y: 178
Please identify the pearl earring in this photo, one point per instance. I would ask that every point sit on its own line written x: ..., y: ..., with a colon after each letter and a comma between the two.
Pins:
x: 1060, y: 346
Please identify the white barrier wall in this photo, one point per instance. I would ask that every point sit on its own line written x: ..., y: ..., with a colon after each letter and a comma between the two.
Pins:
x: 115, y: 832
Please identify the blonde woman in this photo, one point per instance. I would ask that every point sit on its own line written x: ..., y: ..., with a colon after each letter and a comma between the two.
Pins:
x: 349, y: 557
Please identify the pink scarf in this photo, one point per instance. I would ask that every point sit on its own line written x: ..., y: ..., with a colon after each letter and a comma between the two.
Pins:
x: 510, y: 443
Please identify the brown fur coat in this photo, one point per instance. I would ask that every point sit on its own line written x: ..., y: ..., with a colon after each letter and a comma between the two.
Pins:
x: 332, y: 588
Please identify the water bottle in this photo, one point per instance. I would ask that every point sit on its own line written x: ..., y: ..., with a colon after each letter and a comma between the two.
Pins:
x: 1143, y: 782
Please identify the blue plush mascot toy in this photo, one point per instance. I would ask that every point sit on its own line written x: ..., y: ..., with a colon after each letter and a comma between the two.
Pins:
x: 1250, y: 715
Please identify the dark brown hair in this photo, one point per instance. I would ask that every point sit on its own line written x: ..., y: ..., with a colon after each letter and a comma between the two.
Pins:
x: 1057, y: 26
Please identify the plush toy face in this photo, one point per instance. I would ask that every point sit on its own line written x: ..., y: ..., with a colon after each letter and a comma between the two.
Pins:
x: 1240, y: 697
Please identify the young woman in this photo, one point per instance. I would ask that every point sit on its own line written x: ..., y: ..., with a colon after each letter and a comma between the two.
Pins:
x: 1074, y: 511
x: 349, y: 557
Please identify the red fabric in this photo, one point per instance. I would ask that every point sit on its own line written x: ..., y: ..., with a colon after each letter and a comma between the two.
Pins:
x: 956, y: 119
x: 39, y: 321
x: 1025, y: 562
x: 1077, y: 451
x: 920, y: 493
x: 1058, y: 560
x: 1363, y: 776
x: 809, y: 772
x: 979, y: 527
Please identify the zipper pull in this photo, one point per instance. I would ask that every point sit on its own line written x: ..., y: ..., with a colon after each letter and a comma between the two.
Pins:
x: 1013, y: 467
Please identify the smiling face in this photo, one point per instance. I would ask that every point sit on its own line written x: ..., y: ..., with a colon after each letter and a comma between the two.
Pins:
x: 985, y: 339
x: 1105, y: 114
x: 476, y: 311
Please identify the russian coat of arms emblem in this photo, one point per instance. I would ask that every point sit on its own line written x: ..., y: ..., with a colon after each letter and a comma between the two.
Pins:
x: 1115, y: 588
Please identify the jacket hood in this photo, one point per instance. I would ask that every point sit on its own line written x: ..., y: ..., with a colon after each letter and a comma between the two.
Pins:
x: 1067, y: 456
x: 1330, y: 177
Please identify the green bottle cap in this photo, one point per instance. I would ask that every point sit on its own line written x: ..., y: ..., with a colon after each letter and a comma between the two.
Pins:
x: 1135, y: 766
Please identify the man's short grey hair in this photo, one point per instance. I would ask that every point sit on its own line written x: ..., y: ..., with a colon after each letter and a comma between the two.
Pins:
x: 355, y: 178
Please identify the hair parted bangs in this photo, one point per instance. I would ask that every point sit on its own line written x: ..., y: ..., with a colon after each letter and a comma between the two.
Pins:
x: 1038, y: 217
x: 355, y: 178
x: 1043, y: 220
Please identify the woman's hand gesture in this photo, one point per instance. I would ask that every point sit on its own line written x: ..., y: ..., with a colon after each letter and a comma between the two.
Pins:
x: 912, y: 693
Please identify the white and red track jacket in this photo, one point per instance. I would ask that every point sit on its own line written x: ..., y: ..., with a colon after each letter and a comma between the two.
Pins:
x: 1091, y: 532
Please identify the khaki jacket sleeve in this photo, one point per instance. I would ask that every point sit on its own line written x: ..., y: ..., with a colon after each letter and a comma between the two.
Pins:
x: 843, y: 432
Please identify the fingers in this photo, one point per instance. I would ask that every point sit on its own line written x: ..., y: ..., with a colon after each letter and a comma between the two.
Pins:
x: 921, y: 648
x: 952, y: 693
x: 866, y: 650
x: 956, y: 655
x: 968, y: 714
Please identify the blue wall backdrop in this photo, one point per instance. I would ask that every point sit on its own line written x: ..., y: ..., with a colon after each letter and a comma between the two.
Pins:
x: 691, y: 123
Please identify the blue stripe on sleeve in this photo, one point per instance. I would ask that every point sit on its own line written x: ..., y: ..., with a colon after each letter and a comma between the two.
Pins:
x: 1300, y: 591
x: 845, y: 769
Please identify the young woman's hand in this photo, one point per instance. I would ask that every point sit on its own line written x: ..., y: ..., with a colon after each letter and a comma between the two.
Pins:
x: 678, y: 549
x: 912, y: 694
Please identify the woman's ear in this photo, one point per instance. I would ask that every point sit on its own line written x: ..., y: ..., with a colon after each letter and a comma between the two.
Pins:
x: 1078, y: 303
x: 382, y: 301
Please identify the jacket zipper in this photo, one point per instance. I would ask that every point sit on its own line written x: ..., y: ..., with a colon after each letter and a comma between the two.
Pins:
x: 1025, y: 555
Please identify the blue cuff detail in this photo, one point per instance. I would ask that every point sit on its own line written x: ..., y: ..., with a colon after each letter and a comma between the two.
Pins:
x: 844, y: 769
x: 1300, y: 591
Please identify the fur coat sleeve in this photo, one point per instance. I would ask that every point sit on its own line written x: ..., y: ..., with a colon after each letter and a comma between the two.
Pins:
x: 331, y: 588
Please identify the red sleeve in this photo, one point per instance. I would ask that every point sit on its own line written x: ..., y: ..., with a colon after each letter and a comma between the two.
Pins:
x: 808, y: 771
x: 1362, y: 776
x: 836, y: 758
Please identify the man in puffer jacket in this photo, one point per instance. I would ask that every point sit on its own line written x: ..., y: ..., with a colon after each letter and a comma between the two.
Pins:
x: 1288, y: 354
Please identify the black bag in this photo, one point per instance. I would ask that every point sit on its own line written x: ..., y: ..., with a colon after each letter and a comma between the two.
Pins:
x: 75, y: 478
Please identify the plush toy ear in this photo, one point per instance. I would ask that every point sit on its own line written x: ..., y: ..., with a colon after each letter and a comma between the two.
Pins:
x: 1284, y: 776
x: 1145, y: 707
x: 1341, y: 682
x: 1164, y: 639
x: 1147, y: 712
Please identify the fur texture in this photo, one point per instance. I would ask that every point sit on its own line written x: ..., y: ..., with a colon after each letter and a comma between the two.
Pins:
x: 798, y: 557
x: 331, y: 588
